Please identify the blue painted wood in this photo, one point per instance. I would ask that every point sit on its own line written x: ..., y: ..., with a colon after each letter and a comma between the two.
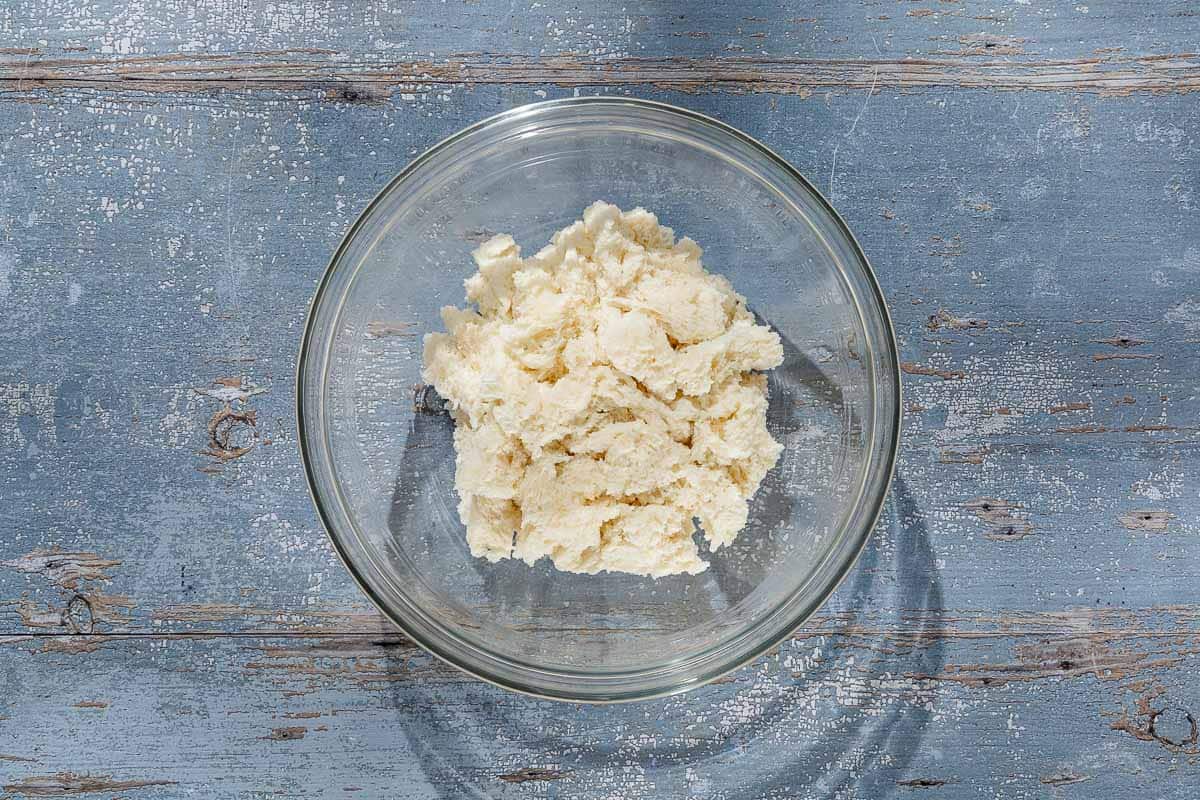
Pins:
x: 172, y: 620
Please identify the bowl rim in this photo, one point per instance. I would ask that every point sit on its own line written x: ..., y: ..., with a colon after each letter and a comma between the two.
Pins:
x: 890, y: 453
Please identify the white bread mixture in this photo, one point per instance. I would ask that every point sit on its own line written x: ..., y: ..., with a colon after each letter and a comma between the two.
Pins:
x: 604, y: 396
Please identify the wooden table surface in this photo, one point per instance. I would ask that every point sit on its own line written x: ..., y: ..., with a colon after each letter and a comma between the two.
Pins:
x: 1024, y: 177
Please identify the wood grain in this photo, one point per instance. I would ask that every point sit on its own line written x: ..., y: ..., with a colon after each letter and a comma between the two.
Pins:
x: 357, y: 80
x: 172, y: 182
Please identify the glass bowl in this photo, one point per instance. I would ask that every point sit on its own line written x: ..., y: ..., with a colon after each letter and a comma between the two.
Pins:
x: 377, y: 445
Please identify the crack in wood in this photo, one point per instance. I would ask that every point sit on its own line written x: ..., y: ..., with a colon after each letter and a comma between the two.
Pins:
x: 1073, y: 656
x: 963, y: 455
x: 533, y: 774
x: 1063, y: 779
x: 90, y: 704
x: 61, y: 784
x: 1125, y: 357
x: 923, y: 783
x: 1121, y: 341
x: 64, y: 569
x: 909, y: 368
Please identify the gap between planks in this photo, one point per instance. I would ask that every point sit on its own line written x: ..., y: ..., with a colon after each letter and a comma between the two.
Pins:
x: 391, y: 638
x: 316, y: 69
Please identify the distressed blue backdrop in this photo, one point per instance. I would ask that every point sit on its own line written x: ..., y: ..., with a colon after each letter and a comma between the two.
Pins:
x: 1024, y: 177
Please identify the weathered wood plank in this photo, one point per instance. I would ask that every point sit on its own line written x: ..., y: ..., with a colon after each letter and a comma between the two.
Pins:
x: 363, y: 53
x: 830, y: 715
x: 1061, y: 29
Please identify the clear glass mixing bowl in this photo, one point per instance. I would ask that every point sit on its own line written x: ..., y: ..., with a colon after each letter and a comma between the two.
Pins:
x: 377, y: 447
